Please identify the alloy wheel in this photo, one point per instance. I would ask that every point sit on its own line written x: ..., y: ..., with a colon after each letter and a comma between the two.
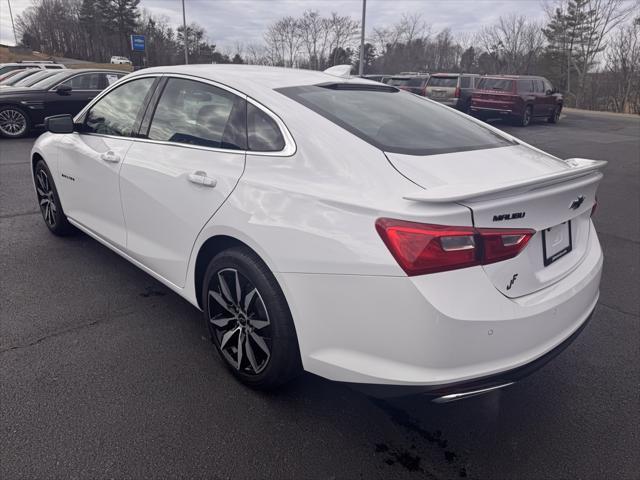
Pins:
x: 46, y: 198
x: 239, y: 321
x: 527, y: 117
x: 12, y: 122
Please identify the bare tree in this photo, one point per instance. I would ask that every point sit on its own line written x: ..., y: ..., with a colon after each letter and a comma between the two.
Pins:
x: 623, y: 64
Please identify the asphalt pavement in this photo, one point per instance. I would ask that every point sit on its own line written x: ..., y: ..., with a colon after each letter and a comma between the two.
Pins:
x: 105, y: 373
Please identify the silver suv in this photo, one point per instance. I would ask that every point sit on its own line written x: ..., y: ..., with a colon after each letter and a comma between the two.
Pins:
x: 452, y: 89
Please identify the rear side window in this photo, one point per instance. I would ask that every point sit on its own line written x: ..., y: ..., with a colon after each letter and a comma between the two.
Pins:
x: 395, y: 121
x: 116, y: 112
x: 263, y: 134
x: 500, y: 84
x: 196, y: 113
x: 525, y: 86
x: 443, y: 82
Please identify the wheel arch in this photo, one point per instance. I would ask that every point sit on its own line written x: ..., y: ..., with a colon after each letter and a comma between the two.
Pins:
x: 209, y: 249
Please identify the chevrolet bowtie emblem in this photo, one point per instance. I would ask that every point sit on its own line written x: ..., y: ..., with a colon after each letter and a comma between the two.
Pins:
x: 577, y: 202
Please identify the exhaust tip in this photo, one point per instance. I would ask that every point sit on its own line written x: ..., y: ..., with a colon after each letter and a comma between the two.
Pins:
x: 472, y: 393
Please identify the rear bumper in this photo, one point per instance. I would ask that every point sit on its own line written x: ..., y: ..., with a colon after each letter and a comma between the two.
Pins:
x: 457, y: 390
x: 487, y: 110
x: 443, y: 331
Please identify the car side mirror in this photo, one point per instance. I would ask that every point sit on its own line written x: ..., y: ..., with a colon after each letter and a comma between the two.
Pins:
x: 59, y: 123
x: 64, y: 90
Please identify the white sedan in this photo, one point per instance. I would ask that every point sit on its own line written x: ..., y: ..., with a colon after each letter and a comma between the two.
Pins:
x: 332, y: 224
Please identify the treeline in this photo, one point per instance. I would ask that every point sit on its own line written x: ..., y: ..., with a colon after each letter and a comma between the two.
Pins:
x: 95, y: 30
x: 589, y: 49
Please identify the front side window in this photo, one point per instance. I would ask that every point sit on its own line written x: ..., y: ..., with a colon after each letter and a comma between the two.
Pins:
x: 196, y: 113
x: 395, y: 121
x: 116, y: 112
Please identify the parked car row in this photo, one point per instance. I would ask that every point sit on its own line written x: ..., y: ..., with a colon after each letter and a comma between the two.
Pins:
x: 31, y: 94
x: 519, y: 98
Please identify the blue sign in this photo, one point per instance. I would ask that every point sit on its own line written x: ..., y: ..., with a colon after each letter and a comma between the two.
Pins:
x: 137, y: 43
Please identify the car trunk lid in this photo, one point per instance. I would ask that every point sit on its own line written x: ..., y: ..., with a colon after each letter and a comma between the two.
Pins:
x: 442, y: 87
x: 516, y: 187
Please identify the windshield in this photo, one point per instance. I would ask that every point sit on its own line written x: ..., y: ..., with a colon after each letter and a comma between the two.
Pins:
x: 395, y: 121
x: 502, y: 84
x: 16, y: 77
x: 443, y: 82
x: 50, y: 80
x: 31, y: 79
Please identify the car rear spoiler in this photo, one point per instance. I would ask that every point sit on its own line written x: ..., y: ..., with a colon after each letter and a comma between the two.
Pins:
x: 578, y: 167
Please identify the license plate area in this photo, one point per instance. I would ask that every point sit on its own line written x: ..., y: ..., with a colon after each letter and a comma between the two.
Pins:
x: 556, y: 242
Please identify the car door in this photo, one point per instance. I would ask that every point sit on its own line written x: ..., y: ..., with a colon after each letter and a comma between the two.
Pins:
x: 90, y: 160
x: 549, y: 97
x: 173, y: 181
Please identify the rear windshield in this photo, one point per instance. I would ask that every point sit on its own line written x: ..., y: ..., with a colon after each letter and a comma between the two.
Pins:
x: 443, y: 82
x: 395, y: 121
x: 502, y: 84
x: 406, y: 82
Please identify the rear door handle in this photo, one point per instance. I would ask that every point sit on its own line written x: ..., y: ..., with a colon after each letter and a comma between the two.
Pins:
x: 201, y: 178
x: 110, y: 156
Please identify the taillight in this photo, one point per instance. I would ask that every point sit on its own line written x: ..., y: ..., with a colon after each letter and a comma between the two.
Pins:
x: 595, y: 206
x: 457, y: 92
x: 421, y: 248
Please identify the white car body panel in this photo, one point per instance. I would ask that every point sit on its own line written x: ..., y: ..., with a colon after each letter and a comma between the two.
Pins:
x: 310, y: 215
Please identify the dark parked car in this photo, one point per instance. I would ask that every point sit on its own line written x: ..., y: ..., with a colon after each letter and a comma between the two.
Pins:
x: 452, y: 89
x: 68, y: 91
x: 520, y: 98
x: 414, y: 83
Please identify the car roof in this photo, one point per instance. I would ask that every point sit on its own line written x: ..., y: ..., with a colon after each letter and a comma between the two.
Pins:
x: 253, y: 79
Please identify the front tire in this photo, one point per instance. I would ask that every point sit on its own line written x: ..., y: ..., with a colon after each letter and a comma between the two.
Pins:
x: 555, y: 116
x: 14, y: 122
x: 249, y: 320
x: 49, y: 202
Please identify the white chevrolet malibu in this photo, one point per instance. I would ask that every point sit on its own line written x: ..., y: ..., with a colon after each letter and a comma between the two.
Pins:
x: 332, y: 224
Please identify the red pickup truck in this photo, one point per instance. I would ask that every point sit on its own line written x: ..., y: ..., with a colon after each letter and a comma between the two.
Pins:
x: 520, y: 98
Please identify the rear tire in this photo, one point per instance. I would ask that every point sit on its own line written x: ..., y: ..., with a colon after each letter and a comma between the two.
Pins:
x: 525, y: 119
x: 249, y: 320
x: 555, y: 116
x: 49, y: 202
x: 14, y: 122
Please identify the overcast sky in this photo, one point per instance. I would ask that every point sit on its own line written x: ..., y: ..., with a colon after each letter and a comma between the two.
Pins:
x: 228, y: 21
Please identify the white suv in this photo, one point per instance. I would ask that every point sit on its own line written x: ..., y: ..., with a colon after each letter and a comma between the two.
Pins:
x: 120, y: 60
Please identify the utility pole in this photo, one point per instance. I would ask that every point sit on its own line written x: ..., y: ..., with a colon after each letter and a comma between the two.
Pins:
x: 15, y: 37
x: 184, y: 35
x: 364, y: 14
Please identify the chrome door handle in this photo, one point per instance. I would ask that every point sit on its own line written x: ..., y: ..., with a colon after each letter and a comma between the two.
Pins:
x: 110, y: 156
x: 200, y: 178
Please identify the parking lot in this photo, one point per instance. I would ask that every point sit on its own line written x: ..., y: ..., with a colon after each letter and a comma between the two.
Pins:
x: 105, y: 373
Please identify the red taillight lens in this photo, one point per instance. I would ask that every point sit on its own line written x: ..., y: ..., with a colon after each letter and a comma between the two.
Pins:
x: 595, y: 206
x: 421, y: 248
x: 501, y: 244
x: 457, y: 92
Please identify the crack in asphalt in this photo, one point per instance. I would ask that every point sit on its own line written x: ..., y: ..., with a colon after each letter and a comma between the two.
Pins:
x: 59, y: 333
x: 21, y: 214
x: 616, y: 309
